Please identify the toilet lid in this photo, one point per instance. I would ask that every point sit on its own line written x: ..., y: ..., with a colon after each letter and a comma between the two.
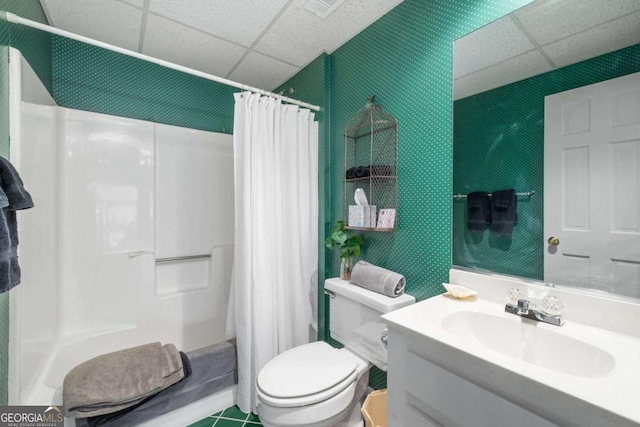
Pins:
x: 305, y: 370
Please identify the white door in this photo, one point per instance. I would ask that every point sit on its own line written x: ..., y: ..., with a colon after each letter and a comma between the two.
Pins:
x: 592, y: 186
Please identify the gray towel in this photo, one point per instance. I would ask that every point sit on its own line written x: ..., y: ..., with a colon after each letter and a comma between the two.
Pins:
x: 9, y: 267
x: 17, y: 197
x: 118, y: 380
x: 13, y: 197
x: 377, y: 279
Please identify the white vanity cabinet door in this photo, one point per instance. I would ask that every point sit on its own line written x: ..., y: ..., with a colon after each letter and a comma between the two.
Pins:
x: 422, y: 393
x: 416, y: 418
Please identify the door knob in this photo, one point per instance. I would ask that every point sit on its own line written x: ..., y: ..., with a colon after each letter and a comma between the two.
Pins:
x: 553, y: 241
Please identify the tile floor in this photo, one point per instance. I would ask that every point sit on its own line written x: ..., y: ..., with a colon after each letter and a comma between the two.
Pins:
x: 230, y: 417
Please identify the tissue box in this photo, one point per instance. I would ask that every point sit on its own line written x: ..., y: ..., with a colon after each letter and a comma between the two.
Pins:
x: 362, y: 216
x: 387, y: 218
x: 372, y: 216
x: 356, y: 216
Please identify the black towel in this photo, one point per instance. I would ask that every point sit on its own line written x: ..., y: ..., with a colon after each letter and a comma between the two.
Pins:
x: 351, y: 173
x: 504, y: 211
x: 478, y: 212
x: 13, y: 197
x: 362, y: 172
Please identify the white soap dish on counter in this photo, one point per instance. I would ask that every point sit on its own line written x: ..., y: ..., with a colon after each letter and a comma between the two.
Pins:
x: 459, y: 291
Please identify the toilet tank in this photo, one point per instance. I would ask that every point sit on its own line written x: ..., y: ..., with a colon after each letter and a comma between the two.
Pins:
x: 355, y: 318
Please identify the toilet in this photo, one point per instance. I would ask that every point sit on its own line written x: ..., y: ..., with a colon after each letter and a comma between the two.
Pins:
x: 317, y: 385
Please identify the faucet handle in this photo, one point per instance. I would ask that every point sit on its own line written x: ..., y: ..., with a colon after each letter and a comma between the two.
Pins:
x: 513, y: 295
x: 552, y: 305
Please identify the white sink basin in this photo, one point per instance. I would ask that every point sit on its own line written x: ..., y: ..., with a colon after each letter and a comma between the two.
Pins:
x: 531, y: 342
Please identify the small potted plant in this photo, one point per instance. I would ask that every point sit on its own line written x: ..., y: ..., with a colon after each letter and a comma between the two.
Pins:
x: 349, y: 246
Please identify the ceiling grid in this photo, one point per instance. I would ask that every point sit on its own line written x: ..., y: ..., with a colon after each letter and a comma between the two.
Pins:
x: 261, y: 44
x: 541, y: 37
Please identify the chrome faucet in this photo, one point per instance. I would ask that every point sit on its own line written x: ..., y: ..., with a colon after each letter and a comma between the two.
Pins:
x: 524, y: 308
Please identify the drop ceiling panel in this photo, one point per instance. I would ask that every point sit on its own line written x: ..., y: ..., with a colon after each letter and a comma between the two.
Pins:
x: 261, y: 71
x: 174, y: 42
x: 299, y: 36
x: 241, y: 21
x: 547, y: 21
x: 618, y: 34
x: 138, y: 3
x: 105, y: 20
x: 521, y: 67
x: 488, y: 46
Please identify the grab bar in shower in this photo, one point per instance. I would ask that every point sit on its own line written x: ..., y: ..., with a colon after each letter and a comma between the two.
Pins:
x: 182, y: 258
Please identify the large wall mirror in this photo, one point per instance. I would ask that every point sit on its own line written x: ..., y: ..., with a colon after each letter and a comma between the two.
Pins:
x: 547, y: 104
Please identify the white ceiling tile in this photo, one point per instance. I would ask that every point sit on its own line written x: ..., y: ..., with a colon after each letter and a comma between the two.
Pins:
x: 489, y: 45
x: 551, y: 20
x: 262, y: 72
x: 298, y: 35
x: 138, y: 3
x: 521, y: 67
x: 606, y: 38
x: 105, y: 20
x: 241, y: 21
x: 173, y: 42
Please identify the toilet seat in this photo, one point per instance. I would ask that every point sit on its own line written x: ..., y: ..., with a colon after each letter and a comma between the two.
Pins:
x: 306, y: 375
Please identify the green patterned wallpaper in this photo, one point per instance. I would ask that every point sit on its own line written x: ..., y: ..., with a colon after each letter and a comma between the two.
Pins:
x: 35, y: 45
x: 503, y: 130
x: 90, y: 78
x: 405, y: 59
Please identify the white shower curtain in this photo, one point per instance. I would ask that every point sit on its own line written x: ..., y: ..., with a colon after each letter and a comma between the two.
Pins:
x: 276, y: 233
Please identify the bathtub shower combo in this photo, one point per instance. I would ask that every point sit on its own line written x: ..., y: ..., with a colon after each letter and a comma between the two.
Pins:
x: 131, y: 240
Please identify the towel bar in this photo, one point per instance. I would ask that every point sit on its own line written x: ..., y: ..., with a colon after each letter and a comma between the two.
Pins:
x: 525, y: 194
x: 182, y: 258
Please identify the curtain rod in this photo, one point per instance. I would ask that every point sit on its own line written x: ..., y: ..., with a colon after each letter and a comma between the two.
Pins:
x: 15, y: 19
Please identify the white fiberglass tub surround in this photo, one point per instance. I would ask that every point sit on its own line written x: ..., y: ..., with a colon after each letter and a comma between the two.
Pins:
x: 112, y: 195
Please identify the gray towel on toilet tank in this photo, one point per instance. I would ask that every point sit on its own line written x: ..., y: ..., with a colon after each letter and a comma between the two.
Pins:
x: 115, y: 381
x: 13, y: 197
x: 377, y: 279
x: 504, y: 211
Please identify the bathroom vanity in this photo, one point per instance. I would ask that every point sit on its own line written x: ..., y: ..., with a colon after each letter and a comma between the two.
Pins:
x: 471, y: 363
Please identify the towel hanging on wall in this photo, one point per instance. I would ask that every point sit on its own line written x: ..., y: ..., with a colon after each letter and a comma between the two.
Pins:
x: 478, y: 211
x: 13, y: 197
x: 504, y: 211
